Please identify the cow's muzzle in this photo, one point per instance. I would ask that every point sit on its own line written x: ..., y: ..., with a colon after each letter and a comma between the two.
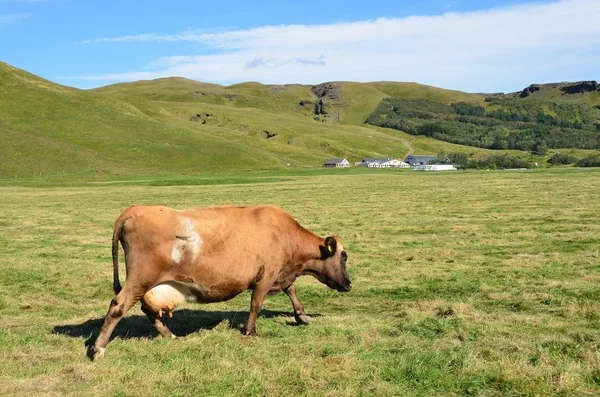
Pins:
x: 345, y: 288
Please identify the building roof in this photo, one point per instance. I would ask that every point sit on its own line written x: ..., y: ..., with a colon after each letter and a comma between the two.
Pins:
x: 375, y: 160
x: 435, y: 167
x: 421, y: 158
x: 334, y: 161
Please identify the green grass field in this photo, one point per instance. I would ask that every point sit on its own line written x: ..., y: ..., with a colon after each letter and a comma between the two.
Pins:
x: 465, y: 283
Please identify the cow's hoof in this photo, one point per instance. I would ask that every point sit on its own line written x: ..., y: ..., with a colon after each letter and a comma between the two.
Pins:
x: 301, y: 319
x: 94, y: 353
x: 253, y: 333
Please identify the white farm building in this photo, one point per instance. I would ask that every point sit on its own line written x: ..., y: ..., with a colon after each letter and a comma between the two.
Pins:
x: 434, y: 167
x: 336, y: 163
x: 389, y: 164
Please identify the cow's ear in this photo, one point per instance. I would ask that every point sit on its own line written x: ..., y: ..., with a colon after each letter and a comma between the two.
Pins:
x: 331, y: 245
x: 328, y: 248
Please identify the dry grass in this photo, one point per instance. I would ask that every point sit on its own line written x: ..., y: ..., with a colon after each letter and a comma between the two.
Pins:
x: 475, y: 283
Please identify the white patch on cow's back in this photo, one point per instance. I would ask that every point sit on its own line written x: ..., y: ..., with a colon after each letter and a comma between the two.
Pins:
x: 187, y: 239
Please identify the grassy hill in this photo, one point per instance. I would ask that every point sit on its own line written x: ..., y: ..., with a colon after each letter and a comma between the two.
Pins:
x: 503, y: 123
x: 587, y: 92
x: 542, y: 116
x: 420, y: 91
x: 47, y: 128
x: 179, y: 126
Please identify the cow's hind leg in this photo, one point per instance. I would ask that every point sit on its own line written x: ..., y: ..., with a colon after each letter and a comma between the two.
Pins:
x: 156, y: 320
x: 299, y: 315
x: 117, y: 309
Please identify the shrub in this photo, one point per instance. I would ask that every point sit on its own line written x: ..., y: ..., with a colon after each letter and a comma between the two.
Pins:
x: 591, y: 161
x: 540, y: 148
x: 561, y: 158
x: 460, y: 160
x: 468, y: 109
x: 499, y: 161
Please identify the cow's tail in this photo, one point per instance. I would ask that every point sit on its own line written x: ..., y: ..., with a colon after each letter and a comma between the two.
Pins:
x: 117, y: 235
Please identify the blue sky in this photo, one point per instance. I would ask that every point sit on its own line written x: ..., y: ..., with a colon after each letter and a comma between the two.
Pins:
x: 476, y: 46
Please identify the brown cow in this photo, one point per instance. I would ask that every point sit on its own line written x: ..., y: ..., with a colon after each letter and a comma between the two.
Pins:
x: 211, y: 255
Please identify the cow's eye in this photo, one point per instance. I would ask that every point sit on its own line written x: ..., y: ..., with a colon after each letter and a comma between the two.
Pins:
x: 344, y: 256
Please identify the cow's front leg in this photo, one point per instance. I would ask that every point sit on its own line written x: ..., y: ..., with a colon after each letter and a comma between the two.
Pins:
x: 299, y: 314
x: 258, y: 296
x: 117, y: 309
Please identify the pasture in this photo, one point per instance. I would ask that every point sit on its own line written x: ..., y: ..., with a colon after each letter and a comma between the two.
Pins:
x: 466, y: 283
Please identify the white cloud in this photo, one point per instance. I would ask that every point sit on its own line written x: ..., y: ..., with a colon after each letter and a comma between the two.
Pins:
x: 503, y: 48
x: 9, y: 18
x: 23, y: 1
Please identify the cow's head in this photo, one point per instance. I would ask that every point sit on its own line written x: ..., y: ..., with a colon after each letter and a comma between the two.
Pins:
x: 330, y: 269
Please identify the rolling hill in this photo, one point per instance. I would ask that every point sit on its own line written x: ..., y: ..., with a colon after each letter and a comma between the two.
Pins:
x: 587, y: 92
x: 503, y: 123
x: 180, y: 126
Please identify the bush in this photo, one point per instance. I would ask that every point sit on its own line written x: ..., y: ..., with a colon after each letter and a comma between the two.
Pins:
x: 467, y: 109
x: 498, y: 161
x: 492, y: 161
x: 540, y: 148
x: 591, y: 161
x: 460, y: 160
x: 561, y: 158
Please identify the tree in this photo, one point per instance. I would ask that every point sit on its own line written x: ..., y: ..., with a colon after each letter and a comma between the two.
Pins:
x: 540, y: 148
x: 442, y: 157
x: 499, y: 142
x: 460, y: 160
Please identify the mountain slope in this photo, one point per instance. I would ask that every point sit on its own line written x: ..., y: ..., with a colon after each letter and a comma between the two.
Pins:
x: 420, y: 91
x: 338, y: 102
x: 48, y: 128
x: 504, y: 123
x: 326, y: 118
x: 170, y: 126
x: 181, y: 126
x: 587, y: 92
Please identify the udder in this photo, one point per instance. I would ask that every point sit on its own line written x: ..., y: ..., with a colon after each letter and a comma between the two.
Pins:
x: 167, y: 296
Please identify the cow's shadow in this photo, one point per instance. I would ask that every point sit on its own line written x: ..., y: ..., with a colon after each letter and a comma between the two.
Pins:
x: 184, y: 322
